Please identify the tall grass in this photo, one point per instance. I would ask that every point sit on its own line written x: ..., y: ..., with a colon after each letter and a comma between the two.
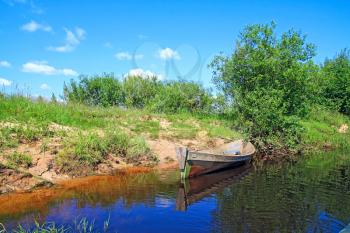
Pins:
x: 82, y: 225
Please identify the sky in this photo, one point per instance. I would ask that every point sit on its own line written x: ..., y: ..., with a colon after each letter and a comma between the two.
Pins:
x: 44, y: 43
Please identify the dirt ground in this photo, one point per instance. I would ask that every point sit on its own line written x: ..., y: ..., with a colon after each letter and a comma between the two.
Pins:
x: 44, y: 172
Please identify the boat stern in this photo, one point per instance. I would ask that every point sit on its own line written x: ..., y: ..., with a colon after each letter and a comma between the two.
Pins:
x: 182, y: 154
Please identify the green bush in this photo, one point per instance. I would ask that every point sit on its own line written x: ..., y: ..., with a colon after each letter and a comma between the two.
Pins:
x: 268, y: 80
x: 141, y: 92
x: 104, y: 90
x: 177, y: 96
x: 336, y: 75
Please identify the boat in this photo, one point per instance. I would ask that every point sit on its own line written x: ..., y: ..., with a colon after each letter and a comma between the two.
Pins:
x: 229, y: 155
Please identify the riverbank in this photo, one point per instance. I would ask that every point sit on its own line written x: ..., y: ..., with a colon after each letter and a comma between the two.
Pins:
x: 55, y: 142
x: 44, y: 143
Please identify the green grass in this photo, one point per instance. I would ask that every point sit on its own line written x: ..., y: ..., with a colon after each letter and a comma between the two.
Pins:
x: 150, y: 127
x: 18, y: 159
x: 40, y: 115
x: 119, y: 131
x: 77, y: 226
x: 321, y: 130
x: 85, y: 150
x: 184, y: 130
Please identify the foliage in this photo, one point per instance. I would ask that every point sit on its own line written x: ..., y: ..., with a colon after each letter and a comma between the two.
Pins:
x: 177, y: 96
x: 267, y: 77
x: 140, y: 92
x: 336, y: 75
x: 102, y: 90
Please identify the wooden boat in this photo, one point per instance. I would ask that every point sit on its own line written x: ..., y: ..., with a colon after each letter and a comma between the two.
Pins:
x: 195, y: 163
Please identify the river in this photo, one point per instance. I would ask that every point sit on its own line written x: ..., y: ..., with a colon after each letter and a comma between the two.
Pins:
x: 312, y: 195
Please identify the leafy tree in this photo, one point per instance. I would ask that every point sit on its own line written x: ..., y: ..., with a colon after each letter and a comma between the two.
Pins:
x: 336, y: 74
x: 268, y: 79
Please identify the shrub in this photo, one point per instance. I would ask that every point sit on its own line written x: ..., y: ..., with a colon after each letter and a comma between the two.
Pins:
x: 139, y: 91
x: 182, y: 96
x: 104, y: 90
x: 268, y: 80
x: 336, y: 75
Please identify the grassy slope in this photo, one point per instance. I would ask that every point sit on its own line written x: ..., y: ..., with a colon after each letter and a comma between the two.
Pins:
x: 18, y: 109
x: 321, y: 131
x: 97, y: 131
x: 320, y: 128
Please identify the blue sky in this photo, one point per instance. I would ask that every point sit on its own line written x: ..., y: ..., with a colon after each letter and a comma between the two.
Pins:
x: 46, y: 43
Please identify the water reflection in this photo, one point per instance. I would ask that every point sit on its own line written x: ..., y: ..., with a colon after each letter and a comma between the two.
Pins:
x: 195, y: 189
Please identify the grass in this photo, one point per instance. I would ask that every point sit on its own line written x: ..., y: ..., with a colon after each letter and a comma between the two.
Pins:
x: 89, y: 135
x: 97, y: 132
x: 18, y: 159
x: 88, y: 149
x: 21, y: 110
x: 78, y: 226
x: 321, y: 131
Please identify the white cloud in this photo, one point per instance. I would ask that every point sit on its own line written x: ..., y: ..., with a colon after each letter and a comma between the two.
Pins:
x: 33, y: 26
x: 69, y: 72
x: 44, y: 86
x: 42, y: 67
x: 143, y: 73
x: 73, y: 39
x: 5, y: 64
x: 127, y: 56
x: 168, y: 53
x: 5, y: 82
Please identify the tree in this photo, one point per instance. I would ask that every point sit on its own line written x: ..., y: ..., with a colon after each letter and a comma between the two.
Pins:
x: 336, y: 73
x: 268, y: 79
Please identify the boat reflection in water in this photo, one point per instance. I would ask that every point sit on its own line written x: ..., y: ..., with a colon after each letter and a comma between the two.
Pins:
x: 194, y: 189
